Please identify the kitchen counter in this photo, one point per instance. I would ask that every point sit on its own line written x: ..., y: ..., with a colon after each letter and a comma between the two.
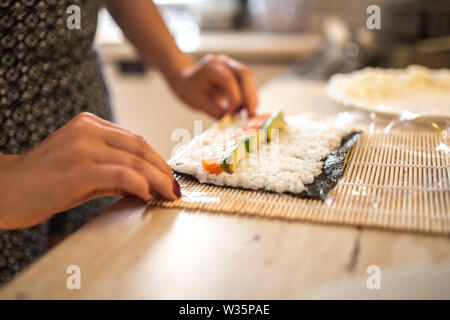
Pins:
x: 132, y: 251
x: 243, y: 45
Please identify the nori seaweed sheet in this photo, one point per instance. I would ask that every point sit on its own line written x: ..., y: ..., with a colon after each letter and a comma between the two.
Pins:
x: 332, y: 171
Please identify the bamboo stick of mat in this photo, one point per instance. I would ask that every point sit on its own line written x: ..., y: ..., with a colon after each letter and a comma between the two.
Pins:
x: 393, y: 180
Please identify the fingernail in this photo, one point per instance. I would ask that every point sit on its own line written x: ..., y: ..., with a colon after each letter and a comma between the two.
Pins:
x: 239, y: 109
x: 176, y: 188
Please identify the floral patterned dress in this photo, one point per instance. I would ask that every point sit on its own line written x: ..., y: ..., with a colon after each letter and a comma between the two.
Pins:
x: 48, y: 74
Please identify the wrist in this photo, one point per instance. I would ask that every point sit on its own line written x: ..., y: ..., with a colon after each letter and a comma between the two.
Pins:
x: 176, y: 67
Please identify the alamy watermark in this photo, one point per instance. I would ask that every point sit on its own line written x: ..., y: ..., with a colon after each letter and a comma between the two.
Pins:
x: 373, y: 282
x: 250, y: 145
x: 374, y: 20
x: 73, y: 282
x: 74, y: 17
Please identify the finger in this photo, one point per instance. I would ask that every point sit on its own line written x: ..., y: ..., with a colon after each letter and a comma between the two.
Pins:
x: 219, y: 98
x: 137, y: 146
x: 211, y: 104
x: 246, y: 83
x: 116, y: 179
x: 140, y: 147
x: 157, y: 180
x: 107, y: 123
x: 108, y: 193
x: 224, y: 79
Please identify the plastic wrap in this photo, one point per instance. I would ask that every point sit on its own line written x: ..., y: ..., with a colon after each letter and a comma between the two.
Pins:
x: 396, y: 175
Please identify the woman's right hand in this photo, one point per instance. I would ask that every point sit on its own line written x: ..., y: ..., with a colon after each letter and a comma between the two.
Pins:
x: 87, y: 158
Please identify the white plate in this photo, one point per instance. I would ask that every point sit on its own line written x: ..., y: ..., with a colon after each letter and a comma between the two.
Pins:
x: 410, y: 93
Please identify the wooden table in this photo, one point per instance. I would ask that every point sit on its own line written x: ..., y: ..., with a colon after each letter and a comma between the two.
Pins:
x: 134, y: 252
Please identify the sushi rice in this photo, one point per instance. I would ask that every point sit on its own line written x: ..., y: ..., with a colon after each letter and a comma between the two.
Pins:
x: 290, y: 161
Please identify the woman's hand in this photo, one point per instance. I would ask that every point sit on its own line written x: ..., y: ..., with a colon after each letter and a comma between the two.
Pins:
x: 85, y: 159
x: 216, y: 85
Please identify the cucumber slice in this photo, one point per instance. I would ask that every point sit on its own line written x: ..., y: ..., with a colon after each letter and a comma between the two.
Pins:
x: 236, y: 154
x: 251, y: 142
x: 275, y: 122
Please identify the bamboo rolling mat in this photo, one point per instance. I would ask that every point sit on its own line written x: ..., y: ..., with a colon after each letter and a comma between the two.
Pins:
x: 397, y: 180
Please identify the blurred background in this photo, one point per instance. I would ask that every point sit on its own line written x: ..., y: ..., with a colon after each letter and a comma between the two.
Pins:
x: 308, y: 39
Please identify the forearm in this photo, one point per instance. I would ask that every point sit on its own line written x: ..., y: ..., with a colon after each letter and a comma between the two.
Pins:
x: 143, y: 25
x: 85, y: 159
x: 7, y: 216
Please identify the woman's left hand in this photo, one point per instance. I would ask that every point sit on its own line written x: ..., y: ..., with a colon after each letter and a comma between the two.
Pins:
x: 216, y: 85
